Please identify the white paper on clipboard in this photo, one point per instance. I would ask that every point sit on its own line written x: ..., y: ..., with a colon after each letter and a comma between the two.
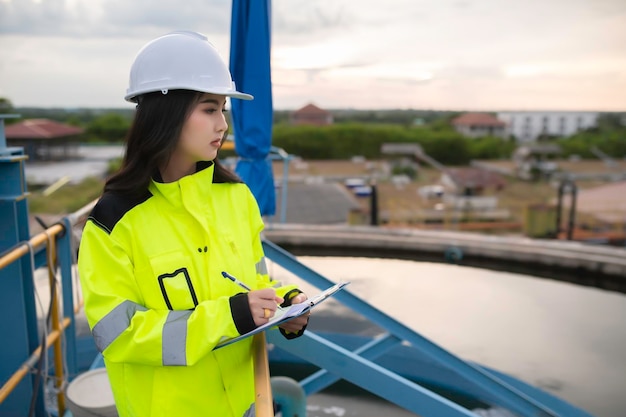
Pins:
x: 288, y: 313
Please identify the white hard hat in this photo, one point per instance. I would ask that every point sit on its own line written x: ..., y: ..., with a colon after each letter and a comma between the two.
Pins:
x: 181, y: 60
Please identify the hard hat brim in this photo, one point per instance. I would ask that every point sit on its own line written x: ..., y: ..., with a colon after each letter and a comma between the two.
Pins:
x: 132, y: 97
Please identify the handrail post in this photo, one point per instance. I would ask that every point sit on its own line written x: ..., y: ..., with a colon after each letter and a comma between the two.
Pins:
x: 55, y: 323
x: 264, y: 405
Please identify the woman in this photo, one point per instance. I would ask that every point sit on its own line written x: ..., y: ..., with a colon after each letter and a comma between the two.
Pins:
x: 155, y: 245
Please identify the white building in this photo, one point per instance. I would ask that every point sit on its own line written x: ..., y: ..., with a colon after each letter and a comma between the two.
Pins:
x: 527, y: 126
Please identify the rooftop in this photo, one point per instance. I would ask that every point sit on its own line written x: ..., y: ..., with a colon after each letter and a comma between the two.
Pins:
x: 311, y: 109
x: 477, y: 119
x: 40, y: 129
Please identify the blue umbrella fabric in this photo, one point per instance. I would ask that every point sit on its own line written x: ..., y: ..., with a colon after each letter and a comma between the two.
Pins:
x: 250, y: 44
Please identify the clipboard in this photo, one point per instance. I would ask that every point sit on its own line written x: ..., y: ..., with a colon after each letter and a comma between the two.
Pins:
x: 287, y: 313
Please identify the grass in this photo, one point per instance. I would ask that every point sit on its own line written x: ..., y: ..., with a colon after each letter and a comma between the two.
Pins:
x: 67, y: 199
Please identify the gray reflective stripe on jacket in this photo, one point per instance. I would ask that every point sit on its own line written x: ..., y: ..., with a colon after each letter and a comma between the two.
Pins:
x: 250, y: 412
x: 174, y: 335
x: 175, y: 338
x: 114, y: 323
x: 261, y: 267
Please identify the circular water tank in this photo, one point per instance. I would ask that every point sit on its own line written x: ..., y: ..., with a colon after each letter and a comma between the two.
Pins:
x: 90, y: 395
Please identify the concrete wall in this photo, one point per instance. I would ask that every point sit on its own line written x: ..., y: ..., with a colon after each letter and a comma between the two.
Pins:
x: 591, y: 265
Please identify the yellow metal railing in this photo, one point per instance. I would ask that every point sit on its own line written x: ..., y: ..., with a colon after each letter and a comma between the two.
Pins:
x: 46, y: 238
x: 263, y: 392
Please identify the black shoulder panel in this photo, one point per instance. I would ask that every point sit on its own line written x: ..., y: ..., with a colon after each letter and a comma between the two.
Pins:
x: 111, y: 208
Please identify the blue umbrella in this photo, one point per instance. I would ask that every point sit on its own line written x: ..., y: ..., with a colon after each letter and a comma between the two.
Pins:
x: 252, y: 120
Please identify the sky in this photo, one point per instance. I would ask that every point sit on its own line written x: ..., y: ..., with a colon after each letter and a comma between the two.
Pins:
x: 481, y: 55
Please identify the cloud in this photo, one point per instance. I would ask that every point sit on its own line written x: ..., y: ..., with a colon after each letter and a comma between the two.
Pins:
x: 212, y: 16
x: 448, y: 53
x: 111, y: 18
x: 31, y: 17
x: 305, y: 18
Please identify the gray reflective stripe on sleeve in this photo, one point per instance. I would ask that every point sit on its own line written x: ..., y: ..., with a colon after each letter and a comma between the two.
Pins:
x: 250, y: 412
x: 175, y: 338
x: 113, y: 324
x: 261, y: 268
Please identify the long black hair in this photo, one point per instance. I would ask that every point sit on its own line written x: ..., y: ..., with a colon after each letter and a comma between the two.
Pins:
x: 152, y: 138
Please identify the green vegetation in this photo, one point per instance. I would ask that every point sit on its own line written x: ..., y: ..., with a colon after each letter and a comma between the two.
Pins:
x: 609, y: 137
x: 342, y: 141
x: 401, y: 117
x: 5, y: 106
x: 360, y: 132
x: 109, y: 127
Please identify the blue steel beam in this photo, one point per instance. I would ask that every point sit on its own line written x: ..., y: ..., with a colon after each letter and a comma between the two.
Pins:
x: 369, y: 375
x: 371, y: 350
x: 496, y: 391
x: 65, y: 257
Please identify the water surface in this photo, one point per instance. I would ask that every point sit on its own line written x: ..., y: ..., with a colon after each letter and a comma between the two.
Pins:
x: 567, y: 339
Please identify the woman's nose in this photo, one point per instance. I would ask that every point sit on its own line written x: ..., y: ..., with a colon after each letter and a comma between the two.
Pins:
x: 223, y: 126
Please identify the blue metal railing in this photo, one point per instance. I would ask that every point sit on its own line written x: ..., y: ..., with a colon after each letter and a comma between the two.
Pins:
x: 58, y: 259
x: 358, y: 366
x: 20, y: 256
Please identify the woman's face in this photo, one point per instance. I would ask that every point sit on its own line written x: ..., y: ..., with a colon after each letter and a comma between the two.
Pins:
x: 203, y: 132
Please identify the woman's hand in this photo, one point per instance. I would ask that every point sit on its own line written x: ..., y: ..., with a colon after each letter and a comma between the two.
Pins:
x: 296, y: 324
x: 263, y: 304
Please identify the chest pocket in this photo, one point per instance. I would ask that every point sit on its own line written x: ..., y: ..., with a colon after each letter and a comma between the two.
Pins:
x: 174, y: 281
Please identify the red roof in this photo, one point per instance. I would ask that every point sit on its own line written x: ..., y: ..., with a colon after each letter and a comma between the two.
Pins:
x: 311, y: 109
x: 40, y: 129
x: 478, y: 119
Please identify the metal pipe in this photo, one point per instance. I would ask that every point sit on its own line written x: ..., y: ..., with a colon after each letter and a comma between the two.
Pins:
x: 34, y: 242
x: 17, y: 377
x: 373, y: 204
x: 559, y: 209
x: 289, y: 395
x: 572, y: 211
x: 284, y: 189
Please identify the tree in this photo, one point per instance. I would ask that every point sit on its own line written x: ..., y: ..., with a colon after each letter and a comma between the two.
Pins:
x: 110, y: 127
x: 5, y: 106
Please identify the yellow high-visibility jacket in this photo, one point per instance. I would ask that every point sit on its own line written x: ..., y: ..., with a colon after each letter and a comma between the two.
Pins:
x: 156, y: 301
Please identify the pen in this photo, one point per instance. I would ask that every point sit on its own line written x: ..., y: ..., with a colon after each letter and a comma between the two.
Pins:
x: 235, y: 280
x: 241, y: 284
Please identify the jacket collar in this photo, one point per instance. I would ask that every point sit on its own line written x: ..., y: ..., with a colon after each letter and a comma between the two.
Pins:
x: 186, y: 188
